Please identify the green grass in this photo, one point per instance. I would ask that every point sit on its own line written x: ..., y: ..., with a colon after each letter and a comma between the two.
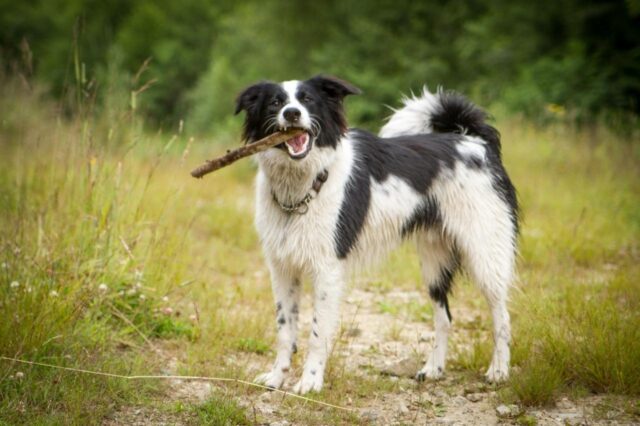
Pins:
x: 87, y: 202
x: 221, y: 411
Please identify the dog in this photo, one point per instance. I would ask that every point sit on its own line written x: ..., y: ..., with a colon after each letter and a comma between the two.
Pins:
x: 335, y: 199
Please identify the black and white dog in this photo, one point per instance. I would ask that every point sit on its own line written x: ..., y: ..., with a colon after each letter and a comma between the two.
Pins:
x: 338, y: 198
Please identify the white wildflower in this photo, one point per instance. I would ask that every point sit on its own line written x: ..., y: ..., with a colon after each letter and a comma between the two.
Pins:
x: 14, y: 284
x: 167, y: 311
x: 19, y: 375
x: 143, y: 297
x: 103, y: 288
x: 131, y: 292
x: 165, y: 299
x: 53, y: 293
x: 193, y: 317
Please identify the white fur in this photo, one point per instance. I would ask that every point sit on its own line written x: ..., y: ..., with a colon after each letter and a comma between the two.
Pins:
x: 392, y: 202
x: 413, y: 118
x: 291, y: 88
x: 472, y: 147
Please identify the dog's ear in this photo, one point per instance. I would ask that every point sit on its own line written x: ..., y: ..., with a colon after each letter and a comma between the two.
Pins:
x: 250, y: 97
x: 333, y: 87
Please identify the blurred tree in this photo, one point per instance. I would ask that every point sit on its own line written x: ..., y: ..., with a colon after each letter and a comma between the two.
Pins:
x: 177, y: 38
x: 579, y: 57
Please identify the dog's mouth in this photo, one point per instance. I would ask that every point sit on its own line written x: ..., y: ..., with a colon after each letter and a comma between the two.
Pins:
x: 298, y: 146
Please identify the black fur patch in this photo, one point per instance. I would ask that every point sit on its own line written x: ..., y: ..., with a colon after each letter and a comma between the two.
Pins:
x: 426, y: 215
x: 416, y: 159
x: 439, y: 290
x: 456, y: 114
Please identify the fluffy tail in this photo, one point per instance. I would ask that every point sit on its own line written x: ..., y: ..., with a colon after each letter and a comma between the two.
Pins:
x: 442, y: 112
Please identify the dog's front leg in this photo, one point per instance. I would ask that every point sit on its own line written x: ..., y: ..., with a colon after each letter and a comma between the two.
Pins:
x: 286, y: 292
x: 328, y: 286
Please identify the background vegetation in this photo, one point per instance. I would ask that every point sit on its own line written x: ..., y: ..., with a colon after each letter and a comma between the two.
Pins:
x: 569, y: 59
x: 113, y: 258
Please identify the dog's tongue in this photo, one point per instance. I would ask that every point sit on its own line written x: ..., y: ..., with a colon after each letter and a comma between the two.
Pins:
x: 297, y: 144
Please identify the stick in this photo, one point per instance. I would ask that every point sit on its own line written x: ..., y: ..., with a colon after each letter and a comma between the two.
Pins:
x: 244, y: 151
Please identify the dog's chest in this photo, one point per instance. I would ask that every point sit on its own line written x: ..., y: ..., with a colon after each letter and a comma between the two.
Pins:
x: 299, y: 240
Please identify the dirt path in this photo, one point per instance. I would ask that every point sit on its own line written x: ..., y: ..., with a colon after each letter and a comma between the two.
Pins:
x: 382, y: 339
x: 377, y: 343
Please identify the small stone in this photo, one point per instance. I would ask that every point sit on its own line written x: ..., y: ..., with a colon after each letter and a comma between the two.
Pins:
x: 565, y: 404
x: 426, y: 337
x: 503, y: 411
x: 459, y: 401
x: 370, y: 415
x: 515, y: 410
x: 474, y: 397
x: 567, y: 417
x: 406, y: 367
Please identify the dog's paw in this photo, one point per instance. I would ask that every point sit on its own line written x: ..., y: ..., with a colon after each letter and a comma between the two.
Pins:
x: 310, y: 381
x: 430, y: 372
x: 272, y: 379
x: 497, y: 373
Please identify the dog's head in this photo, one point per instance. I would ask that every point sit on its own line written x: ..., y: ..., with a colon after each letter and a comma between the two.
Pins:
x: 314, y: 105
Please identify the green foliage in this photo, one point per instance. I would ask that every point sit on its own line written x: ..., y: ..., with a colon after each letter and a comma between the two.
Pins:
x: 81, y: 267
x: 221, y: 410
x: 253, y: 345
x: 563, y: 60
x: 593, y: 344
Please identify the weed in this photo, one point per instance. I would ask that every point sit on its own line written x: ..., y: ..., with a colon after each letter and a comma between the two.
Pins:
x: 220, y: 410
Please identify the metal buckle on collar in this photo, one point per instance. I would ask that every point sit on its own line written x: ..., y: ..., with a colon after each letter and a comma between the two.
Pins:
x: 301, y: 207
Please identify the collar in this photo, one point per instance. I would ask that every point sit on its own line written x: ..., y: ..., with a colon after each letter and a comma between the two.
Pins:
x: 302, y: 206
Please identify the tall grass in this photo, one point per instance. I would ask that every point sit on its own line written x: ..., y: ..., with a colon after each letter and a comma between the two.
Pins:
x: 84, y: 263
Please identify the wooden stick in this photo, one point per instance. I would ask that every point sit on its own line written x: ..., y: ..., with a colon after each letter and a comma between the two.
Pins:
x: 244, y: 151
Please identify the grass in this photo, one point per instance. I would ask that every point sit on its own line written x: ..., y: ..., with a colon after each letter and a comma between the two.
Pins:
x: 221, y: 410
x: 96, y: 213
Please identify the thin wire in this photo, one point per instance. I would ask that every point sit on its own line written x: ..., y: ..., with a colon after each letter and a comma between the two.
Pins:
x: 199, y: 378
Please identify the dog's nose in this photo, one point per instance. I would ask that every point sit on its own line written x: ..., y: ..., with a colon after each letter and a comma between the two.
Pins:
x: 291, y: 114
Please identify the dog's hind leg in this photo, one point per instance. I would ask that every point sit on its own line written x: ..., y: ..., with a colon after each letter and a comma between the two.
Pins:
x: 493, y: 273
x: 327, y: 285
x: 286, y: 291
x: 488, y: 253
x: 438, y: 264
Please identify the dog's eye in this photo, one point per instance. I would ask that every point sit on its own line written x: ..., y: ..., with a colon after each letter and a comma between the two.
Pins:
x: 276, y: 102
x: 306, y: 99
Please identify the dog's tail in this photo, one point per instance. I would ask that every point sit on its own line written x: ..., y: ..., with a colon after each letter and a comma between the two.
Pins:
x: 442, y: 112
